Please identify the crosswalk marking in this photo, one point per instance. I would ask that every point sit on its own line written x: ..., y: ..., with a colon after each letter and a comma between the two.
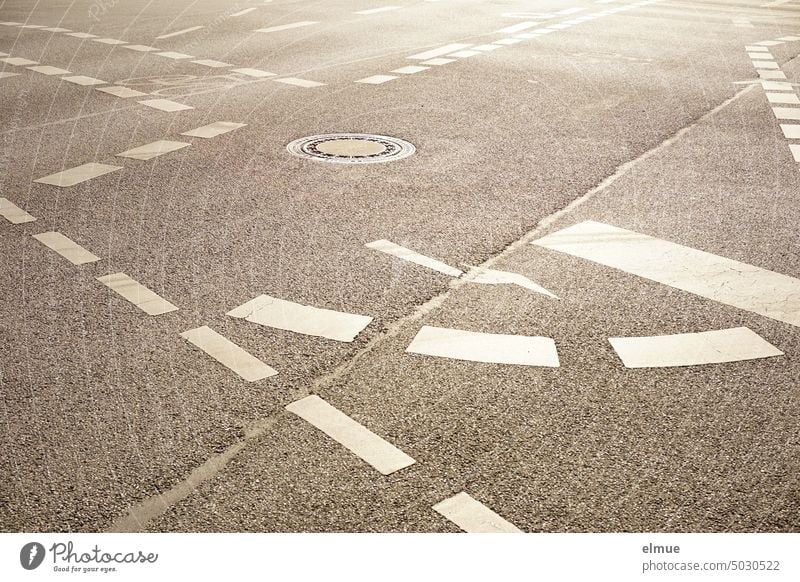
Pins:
x: 78, y: 174
x: 67, y: 248
x: 443, y: 50
x: 214, y: 129
x: 786, y: 112
x: 517, y: 27
x: 304, y: 319
x: 288, y: 26
x: 13, y: 213
x: 257, y: 73
x: 212, y: 63
x: 724, y: 280
x: 18, y: 62
x: 750, y: 48
x: 790, y: 130
x: 410, y: 70
x: 472, y: 516
x: 4, y: 75
x: 785, y: 98
x: 179, y: 32
x: 165, y: 105
x: 507, y: 41
x: 229, y: 354
x: 765, y: 74
x: 376, y: 79
x: 464, y: 54
x: 486, y: 47
x: 298, y: 82
x: 154, y: 149
x: 47, y: 70
x: 776, y: 86
x: 487, y: 348
x: 768, y: 43
x: 795, y: 149
x: 693, y: 349
x: 355, y: 437
x: 174, y: 55
x: 83, y: 80
x: 138, y: 294
x: 377, y: 10
x: 438, y: 61
x: 765, y: 65
x: 122, y: 92
x: 405, y: 254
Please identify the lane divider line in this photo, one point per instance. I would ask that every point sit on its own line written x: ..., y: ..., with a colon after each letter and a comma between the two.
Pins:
x: 78, y: 174
x: 67, y: 248
x: 134, y: 292
x: 153, y: 150
x: 472, y: 516
x: 179, y: 32
x: 214, y: 129
x: 227, y: 353
x: 13, y: 213
x: 283, y: 27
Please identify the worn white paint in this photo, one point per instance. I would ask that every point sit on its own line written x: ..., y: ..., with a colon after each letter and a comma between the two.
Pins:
x: 229, y: 354
x: 472, y: 516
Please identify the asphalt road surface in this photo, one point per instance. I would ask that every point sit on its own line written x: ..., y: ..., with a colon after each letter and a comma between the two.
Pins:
x: 572, y: 303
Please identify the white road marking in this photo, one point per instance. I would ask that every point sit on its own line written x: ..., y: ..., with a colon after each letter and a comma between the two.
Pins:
x: 787, y: 98
x: 179, y: 32
x: 67, y: 248
x: 559, y: 26
x: 464, y: 54
x: 165, y: 105
x: 789, y: 38
x: 214, y: 129
x: 568, y: 11
x: 355, y: 437
x: 791, y: 130
x: 47, y: 70
x: 78, y: 174
x: 212, y: 63
x: 290, y: 316
x: 122, y: 92
x: 257, y: 73
x: 493, y: 277
x: 13, y: 213
x: 109, y: 41
x: 287, y: 26
x: 141, y: 48
x: 376, y: 79
x: 768, y: 43
x: 786, y: 112
x: 4, y: 75
x: 229, y: 354
x: 776, y: 86
x: 756, y: 49
x: 438, y: 61
x: 442, y: 50
x: 138, y: 294
x: 377, y: 10
x: 506, y: 41
x: 760, y: 56
x: 405, y: 254
x: 56, y: 29
x: 795, y: 149
x: 517, y: 27
x: 83, y: 80
x: 82, y: 35
x: 542, y: 31
x: 410, y: 70
x: 32, y: 26
x: 242, y: 12
x: 486, y: 47
x: 729, y: 282
x: 174, y: 55
x: 298, y: 82
x: 18, y: 62
x: 153, y: 150
x: 693, y: 349
x: 487, y: 348
x: 775, y: 3
x: 472, y: 516
x: 771, y: 74
x: 765, y: 65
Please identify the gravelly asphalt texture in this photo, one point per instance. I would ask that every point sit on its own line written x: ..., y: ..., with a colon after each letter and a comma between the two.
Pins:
x: 105, y: 407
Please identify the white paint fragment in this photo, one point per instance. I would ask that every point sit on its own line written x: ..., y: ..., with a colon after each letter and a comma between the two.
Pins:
x: 136, y: 293
x: 67, y: 248
x: 405, y: 254
x: 494, y: 277
x: 287, y: 26
x: 229, y: 354
x: 472, y: 516
x: 13, y: 213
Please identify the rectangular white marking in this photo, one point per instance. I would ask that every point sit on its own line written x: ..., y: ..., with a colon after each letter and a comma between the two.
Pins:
x: 83, y: 80
x: 438, y: 61
x: 140, y: 47
x: 789, y: 38
x: 442, y: 50
x: 212, y: 63
x: 287, y: 26
x: 82, y: 35
x: 56, y: 29
x: 486, y: 47
x: 730, y: 282
x: 776, y: 86
x: 517, y: 27
x: 759, y: 56
x: 765, y: 65
x: 506, y: 41
x: 464, y: 54
x: 109, y: 41
x: 47, y: 70
x: 165, y: 105
x: 543, y: 31
x: 136, y: 293
x: 376, y: 79
x: 693, y: 349
x: 174, y: 55
x: 488, y: 348
x: 4, y: 75
x: 786, y: 112
x: 768, y: 43
x: 179, y: 32
x: 18, y: 62
x: 32, y: 26
x: 771, y: 74
x: 153, y: 150
x: 377, y: 10
x: 787, y: 98
x: 214, y: 129
x: 298, y: 82
x: 290, y: 316
x: 229, y: 354
x: 78, y: 174
x: 472, y: 516
x: 567, y: 11
x: 410, y: 70
x: 485, y: 276
x: 70, y: 250
x: 13, y: 213
x: 790, y: 130
x: 395, y: 250
x: 756, y: 48
x: 355, y: 437
x: 559, y: 26
x: 257, y: 73
x: 795, y: 149
x: 122, y: 92
x: 242, y: 12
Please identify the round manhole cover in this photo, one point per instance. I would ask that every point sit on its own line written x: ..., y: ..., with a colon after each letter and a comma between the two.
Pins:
x: 351, y: 148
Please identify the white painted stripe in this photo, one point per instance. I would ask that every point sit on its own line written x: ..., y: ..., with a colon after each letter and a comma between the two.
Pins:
x: 377, y: 10
x: 771, y: 74
x: 760, y: 56
x: 517, y: 27
x: 165, y: 105
x: 567, y: 11
x: 442, y: 50
x: 795, y: 149
x: 109, y: 41
x: 776, y: 86
x: 229, y: 354
x: 756, y: 48
x: 410, y: 70
x: 405, y: 254
x: 70, y: 250
x: 242, y: 12
x: 47, y: 70
x: 136, y: 293
x: 141, y: 48
x: 789, y: 38
x: 18, y: 62
x: 768, y: 43
x: 464, y: 54
x: 786, y: 112
x: 730, y: 282
x: 212, y: 63
x: 559, y: 26
x: 153, y: 150
x: 214, y: 129
x: 82, y: 35
x: 788, y: 98
x: 32, y: 26
x: 765, y: 65
x: 83, y: 80
x: 179, y: 32
x: 376, y: 79
x: 791, y: 130
x: 13, y: 213
x: 122, y: 92
x: 174, y: 55
x: 486, y: 47
x: 693, y: 349
x: 56, y: 29
x: 472, y: 516
x: 543, y: 31
x: 488, y: 348
x: 492, y: 277
x: 438, y: 61
x: 287, y: 26
x: 355, y: 437
x: 298, y: 82
x: 4, y: 75
x: 78, y: 174
x: 290, y: 316
x: 506, y: 41
x: 257, y: 73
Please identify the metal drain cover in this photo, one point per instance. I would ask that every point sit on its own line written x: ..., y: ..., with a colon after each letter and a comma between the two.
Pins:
x: 351, y: 148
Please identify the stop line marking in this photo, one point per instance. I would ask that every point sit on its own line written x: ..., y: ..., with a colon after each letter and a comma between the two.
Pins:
x: 472, y: 516
x: 67, y: 248
x: 136, y: 293
x: 13, y: 213
x: 229, y: 354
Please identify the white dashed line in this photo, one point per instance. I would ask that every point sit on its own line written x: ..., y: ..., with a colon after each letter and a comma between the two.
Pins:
x: 472, y: 516
x: 138, y: 294
x: 229, y: 354
x: 464, y: 54
x: 410, y: 70
x: 765, y: 65
x: 517, y: 27
x: 443, y: 50
x: 487, y: 348
x: 122, y: 92
x: 212, y: 63
x: 298, y: 82
x: 795, y: 149
x: 67, y: 248
x: 693, y: 349
x: 140, y: 48
x: 507, y: 41
x: 376, y: 79
x: 776, y: 86
x: 730, y: 282
x: 56, y: 29
x: 486, y: 47
x: 257, y: 73
x: 4, y: 75
x: 165, y: 105
x: 78, y: 174
x: 242, y: 12
x: 153, y: 150
x: 290, y: 316
x: 288, y: 26
x: 174, y: 55
x: 179, y: 32
x: 405, y: 254
x: 83, y: 80
x: 18, y: 62
x: 355, y: 437
x: 82, y: 35
x: 214, y: 129
x: 786, y: 98
x: 438, y: 61
x: 13, y: 213
x: 113, y: 41
x: 790, y: 130
x: 786, y: 112
x: 47, y: 70
x: 763, y: 74
x: 377, y: 10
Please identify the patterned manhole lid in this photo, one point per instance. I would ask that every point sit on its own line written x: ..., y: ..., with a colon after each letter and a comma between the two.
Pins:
x: 351, y: 148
